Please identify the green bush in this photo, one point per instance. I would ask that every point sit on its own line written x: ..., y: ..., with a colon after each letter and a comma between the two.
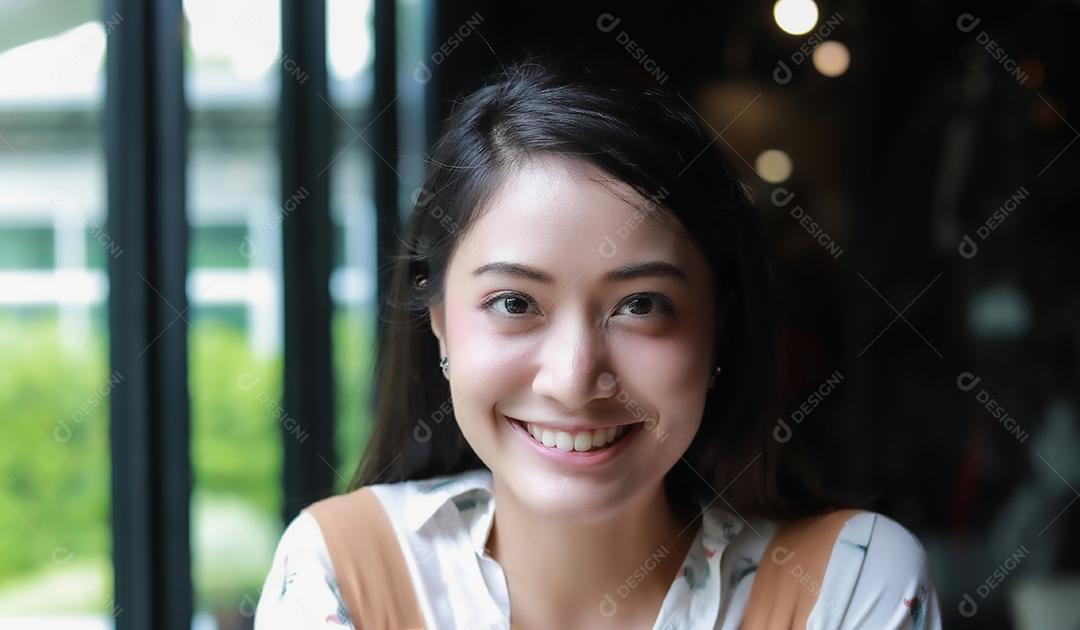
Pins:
x: 55, y: 463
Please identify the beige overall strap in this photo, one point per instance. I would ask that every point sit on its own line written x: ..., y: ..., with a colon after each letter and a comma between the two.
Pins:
x: 371, y: 572
x: 791, y: 571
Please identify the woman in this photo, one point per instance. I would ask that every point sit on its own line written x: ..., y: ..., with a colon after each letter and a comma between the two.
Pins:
x: 581, y: 333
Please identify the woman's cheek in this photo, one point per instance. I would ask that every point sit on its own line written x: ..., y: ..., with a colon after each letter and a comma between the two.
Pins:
x: 484, y: 369
x: 492, y: 360
x: 669, y: 376
x: 670, y: 366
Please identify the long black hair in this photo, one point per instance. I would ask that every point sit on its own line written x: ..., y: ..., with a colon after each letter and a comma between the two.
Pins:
x: 652, y: 140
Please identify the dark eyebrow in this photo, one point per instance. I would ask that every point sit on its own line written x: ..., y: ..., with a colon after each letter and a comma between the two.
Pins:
x: 651, y: 269
x: 654, y: 268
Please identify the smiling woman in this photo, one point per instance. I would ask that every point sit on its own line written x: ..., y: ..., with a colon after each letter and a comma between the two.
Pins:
x: 584, y: 280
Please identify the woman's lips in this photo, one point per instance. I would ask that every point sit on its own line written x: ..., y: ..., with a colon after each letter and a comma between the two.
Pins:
x: 568, y: 455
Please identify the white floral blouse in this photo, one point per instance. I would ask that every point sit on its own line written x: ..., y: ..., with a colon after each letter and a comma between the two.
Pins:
x: 876, y: 576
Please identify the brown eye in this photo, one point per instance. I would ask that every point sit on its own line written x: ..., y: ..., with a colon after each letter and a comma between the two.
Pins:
x: 644, y: 304
x: 511, y: 304
x: 515, y: 305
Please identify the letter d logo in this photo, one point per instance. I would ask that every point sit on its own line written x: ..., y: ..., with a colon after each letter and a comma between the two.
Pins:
x: 968, y: 607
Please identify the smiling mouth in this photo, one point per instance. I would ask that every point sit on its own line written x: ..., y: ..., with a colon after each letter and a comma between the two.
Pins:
x: 581, y: 441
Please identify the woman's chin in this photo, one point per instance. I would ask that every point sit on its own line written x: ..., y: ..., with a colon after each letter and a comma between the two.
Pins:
x: 551, y: 496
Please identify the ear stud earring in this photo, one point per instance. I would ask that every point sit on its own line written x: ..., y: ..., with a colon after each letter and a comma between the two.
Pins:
x: 712, y: 379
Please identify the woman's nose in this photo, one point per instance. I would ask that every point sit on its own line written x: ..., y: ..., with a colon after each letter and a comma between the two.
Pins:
x: 573, y: 365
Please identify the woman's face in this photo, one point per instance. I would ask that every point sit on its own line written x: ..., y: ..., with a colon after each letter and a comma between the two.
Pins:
x: 564, y: 345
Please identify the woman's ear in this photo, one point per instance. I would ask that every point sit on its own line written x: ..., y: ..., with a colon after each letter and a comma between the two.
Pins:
x: 438, y: 325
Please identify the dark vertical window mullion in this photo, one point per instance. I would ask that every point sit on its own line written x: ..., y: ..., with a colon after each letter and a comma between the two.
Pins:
x: 385, y: 141
x: 145, y: 127
x: 433, y: 92
x: 460, y: 72
x: 304, y: 118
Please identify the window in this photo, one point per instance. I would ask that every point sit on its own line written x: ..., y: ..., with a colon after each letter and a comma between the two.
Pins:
x: 91, y: 440
x: 55, y: 380
x: 233, y: 284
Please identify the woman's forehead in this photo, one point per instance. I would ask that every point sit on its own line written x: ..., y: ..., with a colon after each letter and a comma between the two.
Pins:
x: 570, y: 201
x: 573, y: 221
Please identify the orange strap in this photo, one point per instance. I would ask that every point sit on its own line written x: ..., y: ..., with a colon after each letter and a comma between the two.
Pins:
x: 371, y: 572
x: 791, y: 571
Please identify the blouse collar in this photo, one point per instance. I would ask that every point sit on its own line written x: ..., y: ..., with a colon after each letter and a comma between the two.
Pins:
x: 473, y: 495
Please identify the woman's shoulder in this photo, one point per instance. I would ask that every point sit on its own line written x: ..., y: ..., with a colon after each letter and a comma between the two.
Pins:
x: 890, y: 533
x: 864, y: 568
x: 877, y: 576
x: 863, y: 529
x: 300, y: 588
x: 302, y: 540
x: 852, y: 533
x: 889, y: 551
x: 303, y: 534
x: 402, y: 504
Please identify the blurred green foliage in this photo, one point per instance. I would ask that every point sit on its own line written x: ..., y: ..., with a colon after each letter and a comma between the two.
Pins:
x: 54, y: 465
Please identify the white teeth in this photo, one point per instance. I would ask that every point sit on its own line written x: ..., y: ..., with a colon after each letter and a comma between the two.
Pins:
x: 583, y: 441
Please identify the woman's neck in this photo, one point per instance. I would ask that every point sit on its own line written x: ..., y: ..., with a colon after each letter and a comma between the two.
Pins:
x: 606, y: 573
